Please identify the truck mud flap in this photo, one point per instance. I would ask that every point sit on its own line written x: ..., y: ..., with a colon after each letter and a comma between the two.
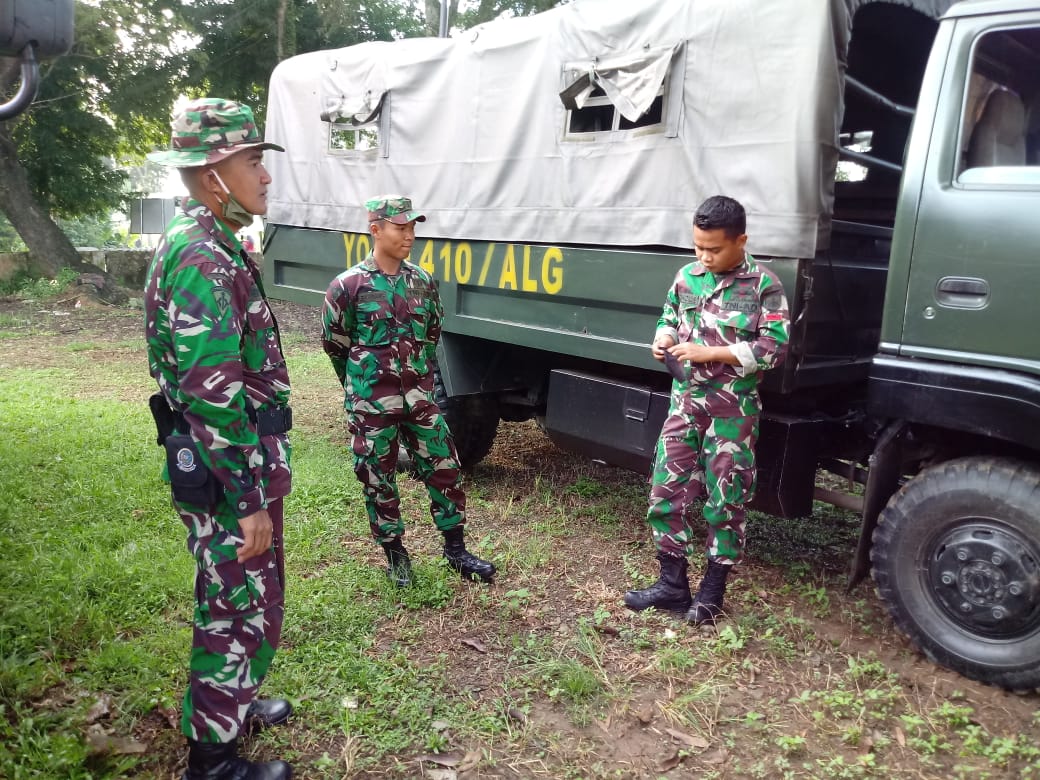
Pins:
x: 786, y: 457
x: 605, y: 419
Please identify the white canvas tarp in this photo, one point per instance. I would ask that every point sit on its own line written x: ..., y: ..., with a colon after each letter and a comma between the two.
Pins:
x: 474, y: 128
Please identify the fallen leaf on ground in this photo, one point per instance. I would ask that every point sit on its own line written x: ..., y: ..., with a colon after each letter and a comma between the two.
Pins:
x: 476, y: 644
x: 170, y: 716
x: 671, y: 762
x: 469, y: 761
x: 441, y: 759
x: 714, y: 757
x: 99, y: 709
x: 645, y: 714
x: 514, y: 714
x: 688, y: 739
x: 106, y: 744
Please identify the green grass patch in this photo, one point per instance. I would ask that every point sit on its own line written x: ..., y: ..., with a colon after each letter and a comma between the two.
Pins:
x: 24, y: 285
x: 544, y: 674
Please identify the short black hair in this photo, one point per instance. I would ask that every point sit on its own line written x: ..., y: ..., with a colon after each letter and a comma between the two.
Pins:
x: 719, y: 212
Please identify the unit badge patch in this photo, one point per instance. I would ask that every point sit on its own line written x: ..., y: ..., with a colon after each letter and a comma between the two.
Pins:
x: 773, y: 300
x: 222, y: 298
x: 186, y: 460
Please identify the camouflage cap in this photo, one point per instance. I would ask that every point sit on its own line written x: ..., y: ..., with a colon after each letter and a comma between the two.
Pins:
x: 209, y: 130
x: 392, y: 208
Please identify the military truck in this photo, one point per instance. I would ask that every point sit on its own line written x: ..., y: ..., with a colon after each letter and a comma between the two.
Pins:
x: 888, y: 154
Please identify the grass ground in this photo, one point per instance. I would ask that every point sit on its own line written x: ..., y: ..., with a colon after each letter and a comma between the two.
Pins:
x: 543, y: 674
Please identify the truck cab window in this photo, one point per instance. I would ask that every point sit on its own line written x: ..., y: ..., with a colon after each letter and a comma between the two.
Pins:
x: 1000, y: 128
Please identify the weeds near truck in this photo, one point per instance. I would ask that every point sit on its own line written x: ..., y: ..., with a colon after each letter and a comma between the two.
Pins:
x: 25, y: 286
x: 544, y: 674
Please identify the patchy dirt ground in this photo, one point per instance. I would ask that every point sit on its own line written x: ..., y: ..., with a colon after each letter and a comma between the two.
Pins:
x: 671, y: 709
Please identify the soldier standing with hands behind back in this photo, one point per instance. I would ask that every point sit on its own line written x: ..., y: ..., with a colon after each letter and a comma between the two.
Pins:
x: 380, y: 327
x: 724, y: 322
x: 214, y: 349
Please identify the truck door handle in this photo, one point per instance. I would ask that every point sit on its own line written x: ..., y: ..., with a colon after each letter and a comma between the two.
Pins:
x: 960, y: 292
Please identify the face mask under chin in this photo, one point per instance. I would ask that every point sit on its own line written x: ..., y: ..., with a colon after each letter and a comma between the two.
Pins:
x: 233, y: 211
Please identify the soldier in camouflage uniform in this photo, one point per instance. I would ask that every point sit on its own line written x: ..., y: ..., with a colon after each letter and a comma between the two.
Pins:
x: 725, y: 321
x: 214, y: 349
x: 380, y: 327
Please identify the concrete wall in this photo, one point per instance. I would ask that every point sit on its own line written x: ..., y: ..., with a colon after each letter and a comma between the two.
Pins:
x: 128, y: 266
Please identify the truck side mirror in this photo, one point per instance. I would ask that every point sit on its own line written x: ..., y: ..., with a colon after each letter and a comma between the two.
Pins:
x: 32, y: 29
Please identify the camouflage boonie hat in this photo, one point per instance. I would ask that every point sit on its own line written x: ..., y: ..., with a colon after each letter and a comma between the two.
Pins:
x: 209, y: 130
x: 392, y: 208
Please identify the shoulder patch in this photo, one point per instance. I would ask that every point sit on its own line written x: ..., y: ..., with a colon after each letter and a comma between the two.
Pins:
x: 222, y: 299
x: 773, y: 300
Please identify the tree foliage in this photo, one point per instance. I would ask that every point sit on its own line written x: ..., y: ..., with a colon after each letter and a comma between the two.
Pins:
x: 106, y: 101
x: 10, y: 241
x: 241, y: 41
x: 486, y: 10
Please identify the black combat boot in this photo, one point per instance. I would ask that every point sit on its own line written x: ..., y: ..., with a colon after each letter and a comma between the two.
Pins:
x: 670, y: 592
x: 266, y: 712
x: 399, y: 568
x: 462, y: 560
x: 707, y: 605
x: 220, y: 761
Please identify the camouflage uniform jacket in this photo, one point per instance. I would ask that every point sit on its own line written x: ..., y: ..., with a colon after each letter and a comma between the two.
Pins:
x: 214, y: 349
x: 745, y: 310
x: 381, y: 334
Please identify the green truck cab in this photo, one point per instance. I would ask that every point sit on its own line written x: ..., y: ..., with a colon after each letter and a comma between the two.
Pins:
x: 889, y: 157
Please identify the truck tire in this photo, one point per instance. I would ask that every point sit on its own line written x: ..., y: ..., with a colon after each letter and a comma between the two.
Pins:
x: 956, y: 559
x: 473, y: 420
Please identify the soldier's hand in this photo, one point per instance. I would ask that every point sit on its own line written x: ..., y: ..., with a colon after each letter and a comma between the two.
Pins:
x: 660, y: 345
x: 257, y: 531
x: 698, y: 353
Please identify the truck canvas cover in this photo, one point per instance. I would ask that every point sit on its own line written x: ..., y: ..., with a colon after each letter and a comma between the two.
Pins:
x: 533, y: 129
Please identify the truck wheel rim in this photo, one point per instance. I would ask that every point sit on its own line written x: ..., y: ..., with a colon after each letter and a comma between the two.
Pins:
x: 986, y: 577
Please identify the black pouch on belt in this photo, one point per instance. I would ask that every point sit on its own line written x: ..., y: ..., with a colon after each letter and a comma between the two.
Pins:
x: 191, y: 481
x: 165, y: 418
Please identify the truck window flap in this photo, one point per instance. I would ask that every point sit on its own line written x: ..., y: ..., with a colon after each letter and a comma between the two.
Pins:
x: 630, y: 81
x: 355, y: 109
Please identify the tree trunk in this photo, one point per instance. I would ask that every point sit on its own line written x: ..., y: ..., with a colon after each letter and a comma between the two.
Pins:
x: 433, y: 17
x: 280, y: 23
x: 487, y: 11
x: 50, y: 249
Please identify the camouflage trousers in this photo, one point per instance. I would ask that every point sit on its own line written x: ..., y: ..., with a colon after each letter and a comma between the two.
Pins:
x: 699, y: 456
x: 425, y: 435
x: 237, y: 623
